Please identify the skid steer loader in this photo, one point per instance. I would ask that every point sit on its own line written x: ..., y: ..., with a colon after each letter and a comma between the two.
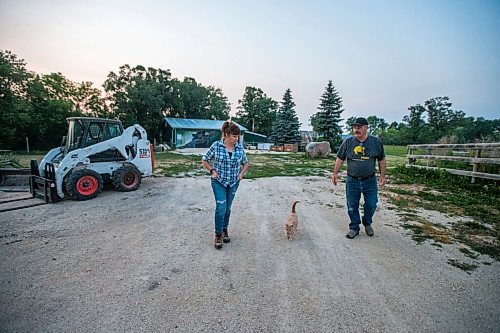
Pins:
x: 95, y: 151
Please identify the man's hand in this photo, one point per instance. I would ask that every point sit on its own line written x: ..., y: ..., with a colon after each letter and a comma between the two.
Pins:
x: 335, y: 179
x: 382, y: 165
x: 336, y: 170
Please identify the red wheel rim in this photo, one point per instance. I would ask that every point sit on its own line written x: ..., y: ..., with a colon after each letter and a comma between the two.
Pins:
x: 87, y: 185
x: 129, y: 179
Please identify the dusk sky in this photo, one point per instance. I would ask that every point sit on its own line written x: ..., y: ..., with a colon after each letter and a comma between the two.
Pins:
x: 382, y: 56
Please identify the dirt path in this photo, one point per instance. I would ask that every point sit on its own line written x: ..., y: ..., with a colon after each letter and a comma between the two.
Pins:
x: 145, y: 262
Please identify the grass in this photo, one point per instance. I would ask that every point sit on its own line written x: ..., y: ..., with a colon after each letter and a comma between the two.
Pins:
x: 395, y: 150
x: 458, y: 165
x: 262, y: 165
x: 395, y: 155
x: 289, y: 164
x: 468, y: 253
x: 462, y: 265
x: 410, y: 189
x: 172, y: 165
x: 480, y: 200
x: 436, y: 191
x: 423, y: 230
x: 452, y: 195
x: 417, y: 234
x: 19, y: 159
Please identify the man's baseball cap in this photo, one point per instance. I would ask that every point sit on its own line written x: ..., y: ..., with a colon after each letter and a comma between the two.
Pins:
x: 360, y: 121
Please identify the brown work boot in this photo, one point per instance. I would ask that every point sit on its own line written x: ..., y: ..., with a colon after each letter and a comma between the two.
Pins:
x: 225, y: 236
x: 218, y: 241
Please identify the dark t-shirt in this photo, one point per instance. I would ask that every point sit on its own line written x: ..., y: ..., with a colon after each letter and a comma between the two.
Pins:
x: 361, y: 156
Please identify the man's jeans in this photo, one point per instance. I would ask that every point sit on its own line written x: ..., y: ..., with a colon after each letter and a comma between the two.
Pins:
x: 223, y: 200
x: 354, y: 189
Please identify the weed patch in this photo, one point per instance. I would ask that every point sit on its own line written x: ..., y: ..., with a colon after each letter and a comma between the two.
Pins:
x: 404, y: 203
x: 451, y: 194
x: 417, y: 234
x: 423, y: 230
x: 462, y: 265
x: 468, y: 253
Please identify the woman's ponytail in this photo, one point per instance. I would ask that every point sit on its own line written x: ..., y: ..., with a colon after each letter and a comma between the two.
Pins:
x: 230, y: 128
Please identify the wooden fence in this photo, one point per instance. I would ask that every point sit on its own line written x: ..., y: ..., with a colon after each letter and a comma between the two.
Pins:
x: 476, y: 154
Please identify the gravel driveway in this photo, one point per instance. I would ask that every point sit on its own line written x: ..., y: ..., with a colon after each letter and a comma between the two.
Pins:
x: 144, y: 262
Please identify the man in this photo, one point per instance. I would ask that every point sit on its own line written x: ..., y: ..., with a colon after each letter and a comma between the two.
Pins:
x: 361, y: 152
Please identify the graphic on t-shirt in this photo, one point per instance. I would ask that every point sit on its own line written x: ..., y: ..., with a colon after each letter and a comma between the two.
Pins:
x: 359, y: 152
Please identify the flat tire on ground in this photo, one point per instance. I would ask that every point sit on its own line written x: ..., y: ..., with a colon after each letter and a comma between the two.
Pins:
x: 84, y: 184
x: 127, y: 178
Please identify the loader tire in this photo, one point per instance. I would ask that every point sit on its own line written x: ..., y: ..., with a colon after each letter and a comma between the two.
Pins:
x: 84, y: 184
x: 127, y: 178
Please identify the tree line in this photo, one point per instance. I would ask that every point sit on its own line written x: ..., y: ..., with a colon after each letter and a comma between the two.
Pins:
x: 35, y: 106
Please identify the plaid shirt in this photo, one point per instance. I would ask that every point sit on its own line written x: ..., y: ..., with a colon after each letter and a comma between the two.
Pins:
x: 227, y: 167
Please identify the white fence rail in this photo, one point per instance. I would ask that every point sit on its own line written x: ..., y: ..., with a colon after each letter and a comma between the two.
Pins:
x: 476, y: 154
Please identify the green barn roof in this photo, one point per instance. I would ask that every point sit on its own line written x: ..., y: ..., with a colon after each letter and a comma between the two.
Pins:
x: 198, y: 124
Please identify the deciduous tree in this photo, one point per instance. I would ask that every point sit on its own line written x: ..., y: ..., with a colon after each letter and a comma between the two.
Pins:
x: 14, y: 80
x: 256, y: 111
x: 140, y: 95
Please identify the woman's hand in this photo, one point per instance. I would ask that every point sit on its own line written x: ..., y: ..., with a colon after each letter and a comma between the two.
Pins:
x: 243, y: 170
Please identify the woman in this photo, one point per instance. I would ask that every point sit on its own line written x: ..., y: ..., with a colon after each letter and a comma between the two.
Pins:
x: 229, y: 165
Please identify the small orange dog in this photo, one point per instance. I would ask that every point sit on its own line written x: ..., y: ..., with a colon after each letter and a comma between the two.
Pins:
x: 292, y: 223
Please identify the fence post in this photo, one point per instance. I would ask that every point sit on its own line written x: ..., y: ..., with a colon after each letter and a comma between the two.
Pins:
x: 27, y: 145
x: 477, y: 154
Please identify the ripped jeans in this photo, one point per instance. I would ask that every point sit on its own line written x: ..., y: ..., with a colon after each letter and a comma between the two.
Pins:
x: 223, y: 200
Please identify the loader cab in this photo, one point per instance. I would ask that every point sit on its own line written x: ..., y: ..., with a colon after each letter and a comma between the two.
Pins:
x: 84, y: 132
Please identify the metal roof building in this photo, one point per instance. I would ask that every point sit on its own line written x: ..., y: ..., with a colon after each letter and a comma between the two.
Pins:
x: 197, y: 124
x: 254, y: 138
x: 194, y: 133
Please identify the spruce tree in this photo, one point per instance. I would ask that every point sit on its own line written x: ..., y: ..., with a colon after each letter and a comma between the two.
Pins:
x: 286, y: 128
x: 327, y: 120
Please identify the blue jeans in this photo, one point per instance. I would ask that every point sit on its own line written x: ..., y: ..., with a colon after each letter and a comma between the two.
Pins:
x: 223, y: 200
x: 354, y: 189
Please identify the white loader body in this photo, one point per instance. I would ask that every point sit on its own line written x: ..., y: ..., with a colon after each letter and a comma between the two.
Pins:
x: 130, y: 150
